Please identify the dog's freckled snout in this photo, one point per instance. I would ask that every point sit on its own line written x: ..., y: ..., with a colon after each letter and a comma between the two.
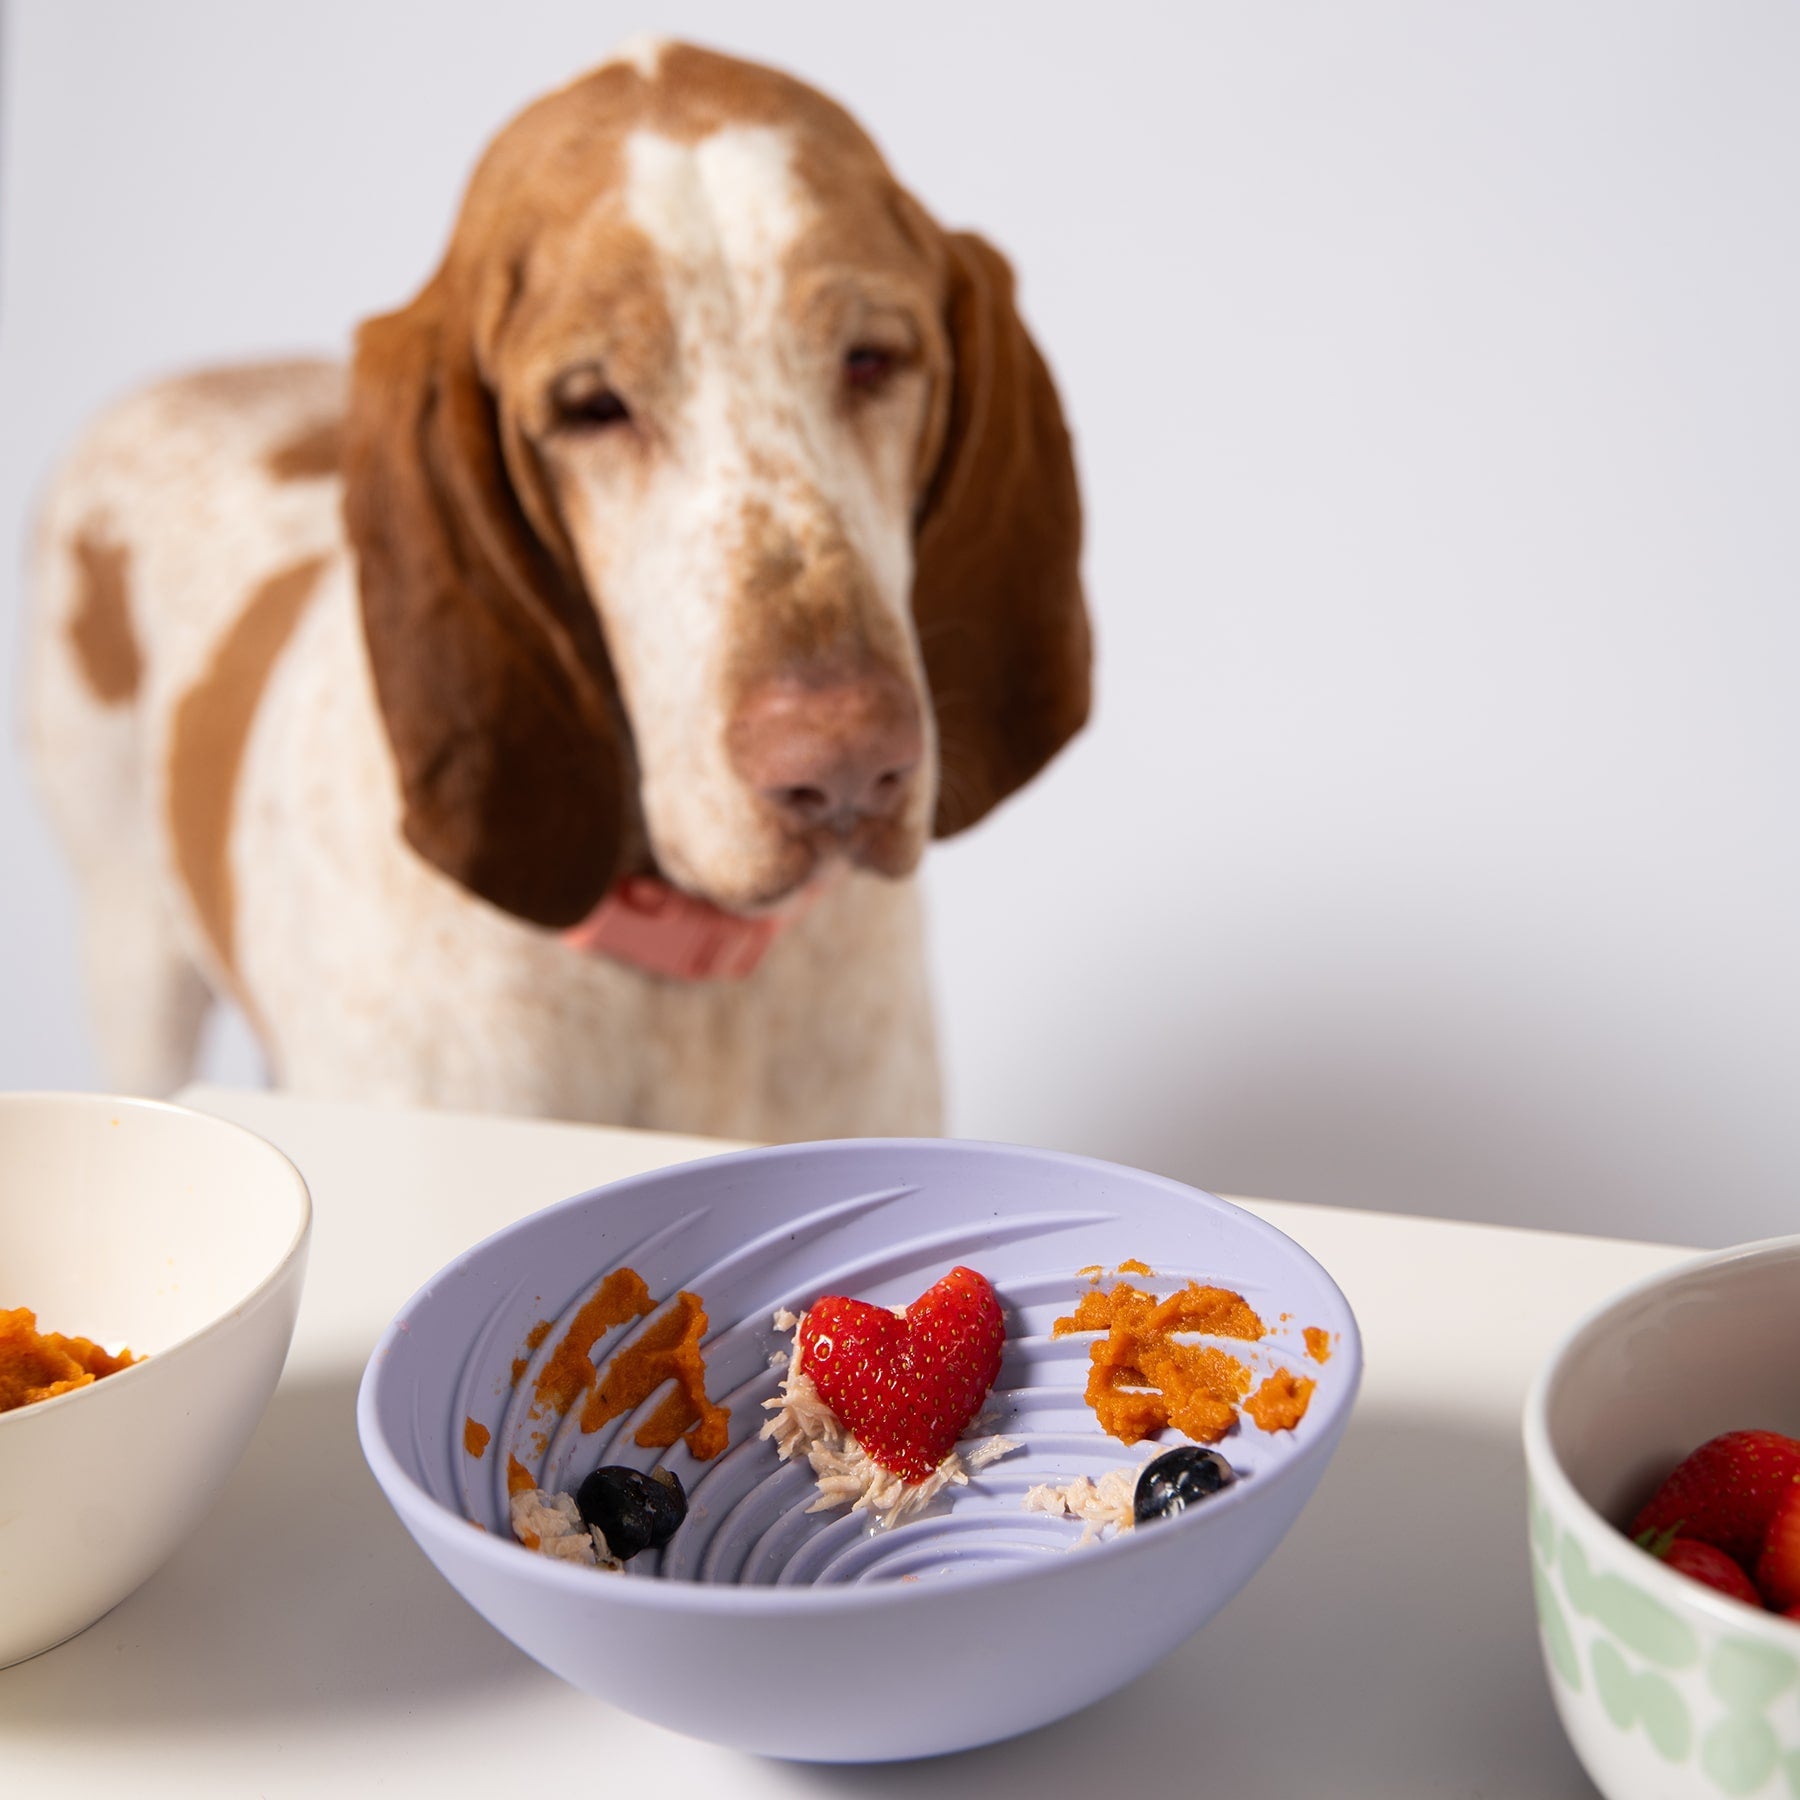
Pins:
x: 828, y: 756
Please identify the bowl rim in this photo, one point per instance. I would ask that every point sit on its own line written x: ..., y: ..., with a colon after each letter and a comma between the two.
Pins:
x: 101, y: 1101
x: 1547, y: 1473
x: 423, y: 1513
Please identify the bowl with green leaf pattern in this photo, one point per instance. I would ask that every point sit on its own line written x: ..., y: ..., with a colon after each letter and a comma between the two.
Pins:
x: 1668, y: 1689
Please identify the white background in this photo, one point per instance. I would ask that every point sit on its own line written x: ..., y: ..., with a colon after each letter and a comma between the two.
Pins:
x: 1436, y: 378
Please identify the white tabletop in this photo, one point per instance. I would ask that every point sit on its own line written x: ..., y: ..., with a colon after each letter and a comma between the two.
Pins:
x: 1385, y: 1652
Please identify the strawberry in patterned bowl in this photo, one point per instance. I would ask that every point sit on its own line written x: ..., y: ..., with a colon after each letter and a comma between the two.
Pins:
x: 862, y: 1451
x: 1662, y: 1444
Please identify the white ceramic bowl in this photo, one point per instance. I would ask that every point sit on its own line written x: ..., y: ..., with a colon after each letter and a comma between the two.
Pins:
x: 184, y: 1237
x: 802, y: 1634
x: 1668, y: 1690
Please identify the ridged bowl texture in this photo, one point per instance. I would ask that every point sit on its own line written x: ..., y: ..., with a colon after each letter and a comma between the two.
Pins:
x: 813, y: 1635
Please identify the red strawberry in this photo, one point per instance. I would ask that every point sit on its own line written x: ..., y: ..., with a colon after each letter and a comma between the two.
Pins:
x: 1702, y: 1562
x: 1778, y: 1568
x: 1725, y: 1493
x: 906, y: 1386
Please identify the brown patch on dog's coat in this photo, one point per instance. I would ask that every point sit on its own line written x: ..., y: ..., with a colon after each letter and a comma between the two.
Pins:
x: 309, y: 454
x: 206, y: 746
x: 244, y: 387
x: 100, y: 628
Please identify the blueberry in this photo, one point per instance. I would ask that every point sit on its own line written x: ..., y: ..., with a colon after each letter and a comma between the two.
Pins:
x: 634, y: 1511
x: 1178, y: 1479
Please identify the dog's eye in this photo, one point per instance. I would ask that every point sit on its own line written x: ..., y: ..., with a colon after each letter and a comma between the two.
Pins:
x: 867, y: 367
x: 582, y: 398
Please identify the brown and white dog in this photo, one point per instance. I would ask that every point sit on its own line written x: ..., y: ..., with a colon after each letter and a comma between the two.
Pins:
x: 700, y: 541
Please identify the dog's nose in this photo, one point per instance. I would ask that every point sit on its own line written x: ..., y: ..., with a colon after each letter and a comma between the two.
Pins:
x: 828, y: 754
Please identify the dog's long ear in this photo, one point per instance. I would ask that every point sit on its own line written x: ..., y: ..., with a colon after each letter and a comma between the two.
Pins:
x: 997, y: 594
x: 491, y: 674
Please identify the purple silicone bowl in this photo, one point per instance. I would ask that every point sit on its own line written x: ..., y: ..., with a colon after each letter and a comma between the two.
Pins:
x: 807, y: 1635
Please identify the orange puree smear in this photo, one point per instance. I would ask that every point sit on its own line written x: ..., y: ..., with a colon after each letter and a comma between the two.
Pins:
x: 1134, y: 1267
x: 519, y: 1479
x: 1318, y: 1343
x: 533, y: 1338
x: 36, y: 1366
x: 569, y: 1373
x: 1141, y: 1380
x: 475, y: 1438
x: 1214, y: 1310
x: 1281, y: 1402
x: 668, y: 1349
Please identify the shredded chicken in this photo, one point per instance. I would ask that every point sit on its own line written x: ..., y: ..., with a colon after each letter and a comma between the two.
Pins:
x: 1098, y: 1505
x: 551, y: 1525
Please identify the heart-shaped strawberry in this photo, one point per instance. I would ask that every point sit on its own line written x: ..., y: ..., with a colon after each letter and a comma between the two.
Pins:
x: 906, y: 1385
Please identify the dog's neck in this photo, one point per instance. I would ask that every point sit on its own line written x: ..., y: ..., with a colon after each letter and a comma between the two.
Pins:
x: 649, y: 925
